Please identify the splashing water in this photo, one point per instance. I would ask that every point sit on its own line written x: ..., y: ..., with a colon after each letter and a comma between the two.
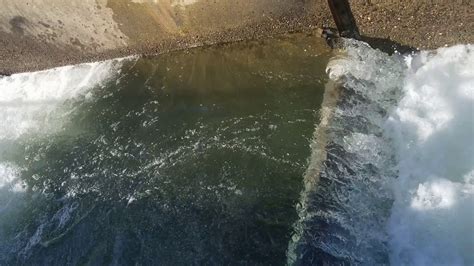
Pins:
x: 390, y: 179
x: 29, y: 100
x: 33, y: 104
x: 432, y: 220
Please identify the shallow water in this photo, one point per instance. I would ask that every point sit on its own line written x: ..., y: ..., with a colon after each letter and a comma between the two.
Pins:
x: 196, y: 157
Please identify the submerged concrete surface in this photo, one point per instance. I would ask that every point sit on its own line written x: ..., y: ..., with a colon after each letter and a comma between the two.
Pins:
x: 38, y: 34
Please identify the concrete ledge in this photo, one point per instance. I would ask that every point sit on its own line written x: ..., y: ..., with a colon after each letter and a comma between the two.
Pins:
x: 38, y: 34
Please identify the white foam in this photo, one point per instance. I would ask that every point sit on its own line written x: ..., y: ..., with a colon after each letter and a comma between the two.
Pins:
x: 346, y: 213
x: 412, y: 119
x: 34, y: 104
x: 432, y: 221
x: 9, y: 178
x: 29, y: 101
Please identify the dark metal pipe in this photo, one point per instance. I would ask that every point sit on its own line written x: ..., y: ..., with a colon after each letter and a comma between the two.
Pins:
x: 344, y: 19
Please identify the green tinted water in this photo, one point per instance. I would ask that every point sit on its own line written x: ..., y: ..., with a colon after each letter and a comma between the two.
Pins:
x: 195, y: 157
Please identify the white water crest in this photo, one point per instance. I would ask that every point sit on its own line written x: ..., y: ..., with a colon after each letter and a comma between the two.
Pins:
x: 347, y: 200
x: 34, y: 104
x: 395, y: 183
x: 430, y: 129
x: 432, y: 220
x: 29, y: 102
x: 9, y: 178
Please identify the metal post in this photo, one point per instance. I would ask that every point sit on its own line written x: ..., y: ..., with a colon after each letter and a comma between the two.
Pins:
x: 345, y: 22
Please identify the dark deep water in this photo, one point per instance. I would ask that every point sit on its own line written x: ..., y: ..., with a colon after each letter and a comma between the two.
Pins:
x: 195, y: 157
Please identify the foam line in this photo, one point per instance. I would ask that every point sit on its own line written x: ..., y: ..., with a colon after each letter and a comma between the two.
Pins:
x: 28, y: 101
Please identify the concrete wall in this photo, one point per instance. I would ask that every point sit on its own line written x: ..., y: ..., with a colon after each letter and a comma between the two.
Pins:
x: 36, y: 34
x: 43, y: 33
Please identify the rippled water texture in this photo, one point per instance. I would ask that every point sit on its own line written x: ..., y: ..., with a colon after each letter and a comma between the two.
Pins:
x: 196, y: 157
x: 231, y: 155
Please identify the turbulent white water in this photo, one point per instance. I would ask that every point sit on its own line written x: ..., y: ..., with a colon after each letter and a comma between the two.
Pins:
x: 430, y: 130
x: 396, y: 182
x: 432, y: 220
x: 34, y: 104
x: 29, y: 101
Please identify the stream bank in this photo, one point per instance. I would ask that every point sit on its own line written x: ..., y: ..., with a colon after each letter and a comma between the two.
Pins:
x: 49, y: 33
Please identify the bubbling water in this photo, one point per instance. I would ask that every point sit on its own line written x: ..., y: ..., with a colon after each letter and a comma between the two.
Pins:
x: 432, y: 127
x: 33, y: 104
x: 392, y: 176
x: 29, y: 102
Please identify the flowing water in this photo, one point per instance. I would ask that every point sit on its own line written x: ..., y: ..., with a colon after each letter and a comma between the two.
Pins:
x: 196, y: 157
x: 391, y: 174
x: 242, y: 154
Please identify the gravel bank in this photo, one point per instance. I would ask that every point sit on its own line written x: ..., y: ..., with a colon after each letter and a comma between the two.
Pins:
x: 42, y: 34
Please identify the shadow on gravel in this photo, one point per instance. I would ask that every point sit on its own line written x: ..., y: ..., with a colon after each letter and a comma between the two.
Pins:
x: 385, y: 45
x: 388, y: 46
